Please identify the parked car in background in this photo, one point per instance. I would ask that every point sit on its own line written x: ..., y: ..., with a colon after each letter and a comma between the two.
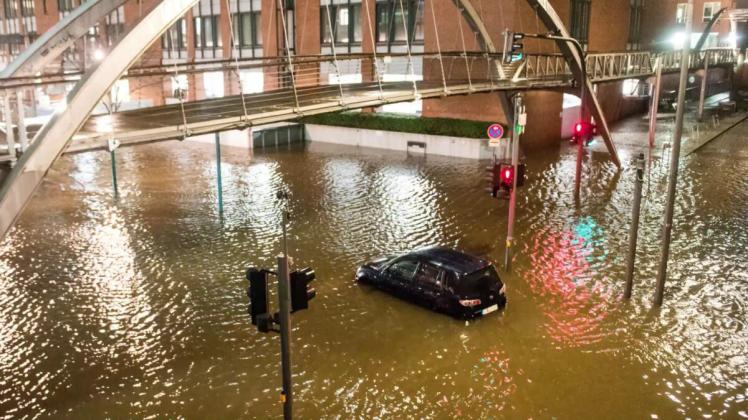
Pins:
x: 440, y: 278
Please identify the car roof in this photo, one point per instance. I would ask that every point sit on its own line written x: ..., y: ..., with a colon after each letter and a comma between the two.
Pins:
x: 451, y: 259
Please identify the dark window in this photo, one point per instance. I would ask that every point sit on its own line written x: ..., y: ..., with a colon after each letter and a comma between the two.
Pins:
x: 482, y: 280
x: 65, y: 5
x: 27, y: 8
x: 399, y: 21
x: 206, y: 32
x: 11, y: 9
x: 345, y: 20
x: 635, y: 24
x: 404, y: 269
x: 247, y: 31
x: 429, y: 277
x: 580, y: 20
x: 175, y: 37
x: 115, y: 25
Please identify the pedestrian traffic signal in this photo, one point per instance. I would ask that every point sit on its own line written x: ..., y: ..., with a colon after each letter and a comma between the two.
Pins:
x: 257, y: 294
x: 493, y: 178
x: 513, y: 46
x: 584, y: 131
x: 301, y: 292
x: 507, y: 177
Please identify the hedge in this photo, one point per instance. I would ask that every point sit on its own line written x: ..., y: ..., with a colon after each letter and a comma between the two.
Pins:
x: 402, y: 123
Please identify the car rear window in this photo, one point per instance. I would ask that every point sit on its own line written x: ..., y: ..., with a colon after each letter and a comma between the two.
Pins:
x: 482, y: 280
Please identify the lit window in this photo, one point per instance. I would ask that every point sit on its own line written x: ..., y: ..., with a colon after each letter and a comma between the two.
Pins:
x: 680, y: 13
x: 711, y: 9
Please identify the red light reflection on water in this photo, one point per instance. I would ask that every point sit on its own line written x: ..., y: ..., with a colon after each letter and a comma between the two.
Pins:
x: 574, y: 298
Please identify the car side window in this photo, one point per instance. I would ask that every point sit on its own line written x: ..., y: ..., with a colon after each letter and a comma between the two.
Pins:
x: 404, y: 269
x: 429, y: 276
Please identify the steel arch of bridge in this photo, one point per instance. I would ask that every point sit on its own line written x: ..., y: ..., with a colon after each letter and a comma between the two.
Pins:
x: 27, y: 174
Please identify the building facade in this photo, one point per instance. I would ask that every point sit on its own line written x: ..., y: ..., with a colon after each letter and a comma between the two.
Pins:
x: 252, y: 29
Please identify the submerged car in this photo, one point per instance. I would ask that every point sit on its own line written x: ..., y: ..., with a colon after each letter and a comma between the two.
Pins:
x: 440, y: 278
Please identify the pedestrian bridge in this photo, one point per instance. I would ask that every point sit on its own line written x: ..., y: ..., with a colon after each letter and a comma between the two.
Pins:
x: 463, y: 74
x: 303, y: 85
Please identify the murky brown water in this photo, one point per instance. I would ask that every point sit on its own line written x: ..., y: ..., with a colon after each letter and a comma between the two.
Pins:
x: 136, y: 307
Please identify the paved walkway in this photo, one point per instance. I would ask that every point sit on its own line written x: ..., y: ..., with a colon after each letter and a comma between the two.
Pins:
x: 632, y: 134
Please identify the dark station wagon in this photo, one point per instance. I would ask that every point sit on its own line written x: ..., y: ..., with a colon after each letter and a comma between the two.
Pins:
x: 440, y: 278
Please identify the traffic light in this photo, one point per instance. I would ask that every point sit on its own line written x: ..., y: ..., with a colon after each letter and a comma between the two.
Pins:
x: 584, y: 131
x: 258, y: 294
x: 513, y: 46
x: 493, y: 178
x: 507, y: 176
x: 301, y: 292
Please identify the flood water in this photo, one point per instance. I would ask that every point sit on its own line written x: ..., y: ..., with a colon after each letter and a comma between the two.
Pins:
x: 136, y: 307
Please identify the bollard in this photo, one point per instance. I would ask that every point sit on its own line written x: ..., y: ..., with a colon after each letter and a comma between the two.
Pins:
x: 634, y: 232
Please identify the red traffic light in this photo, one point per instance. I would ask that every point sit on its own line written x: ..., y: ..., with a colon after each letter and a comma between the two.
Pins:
x: 579, y: 128
x: 507, y: 176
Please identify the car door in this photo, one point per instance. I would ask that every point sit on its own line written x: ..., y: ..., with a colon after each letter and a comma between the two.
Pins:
x: 400, y: 275
x: 429, y: 283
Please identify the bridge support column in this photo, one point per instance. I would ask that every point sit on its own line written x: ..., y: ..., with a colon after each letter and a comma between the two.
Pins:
x: 655, y: 108
x: 553, y: 22
x: 23, y: 137
x: 10, y: 136
x: 704, y: 81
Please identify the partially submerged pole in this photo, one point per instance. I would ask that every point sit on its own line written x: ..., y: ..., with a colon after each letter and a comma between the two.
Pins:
x: 634, y: 231
x: 519, y: 117
x: 655, y: 109
x: 219, y: 180
x: 667, y: 228
x: 704, y: 81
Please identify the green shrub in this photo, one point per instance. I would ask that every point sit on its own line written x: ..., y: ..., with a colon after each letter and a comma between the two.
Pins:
x: 402, y: 123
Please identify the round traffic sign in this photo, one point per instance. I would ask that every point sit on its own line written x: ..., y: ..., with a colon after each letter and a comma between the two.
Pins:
x: 495, y: 131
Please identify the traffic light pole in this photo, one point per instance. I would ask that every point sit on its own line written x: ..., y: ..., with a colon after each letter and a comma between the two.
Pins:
x: 667, y: 228
x: 284, y: 297
x: 516, y: 132
x: 285, y: 333
x: 582, y: 95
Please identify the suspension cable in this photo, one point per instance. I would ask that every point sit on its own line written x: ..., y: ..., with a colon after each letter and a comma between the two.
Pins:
x: 288, y: 53
x: 438, y: 47
x: 185, y: 130
x: 374, y: 47
x: 234, y: 52
x: 407, y: 45
x: 332, y: 44
x: 464, y: 50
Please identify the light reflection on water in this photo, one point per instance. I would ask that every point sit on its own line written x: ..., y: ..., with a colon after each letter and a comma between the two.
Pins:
x: 136, y: 307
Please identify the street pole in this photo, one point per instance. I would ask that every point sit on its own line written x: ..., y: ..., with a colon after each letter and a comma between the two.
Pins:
x: 634, y: 232
x: 285, y: 312
x: 519, y: 122
x: 583, y: 117
x: 655, y: 103
x: 10, y: 137
x: 219, y: 180
x: 285, y: 332
x: 674, y: 157
x: 702, y: 95
x: 114, y: 172
x: 112, y: 145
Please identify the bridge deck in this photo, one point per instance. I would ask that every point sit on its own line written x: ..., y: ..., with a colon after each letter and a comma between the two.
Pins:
x: 210, y: 115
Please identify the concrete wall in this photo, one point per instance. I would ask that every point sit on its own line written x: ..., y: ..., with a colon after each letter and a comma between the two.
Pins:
x: 390, y: 140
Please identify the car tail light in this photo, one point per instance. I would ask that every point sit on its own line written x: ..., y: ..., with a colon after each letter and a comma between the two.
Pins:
x: 470, y: 302
x: 503, y: 290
